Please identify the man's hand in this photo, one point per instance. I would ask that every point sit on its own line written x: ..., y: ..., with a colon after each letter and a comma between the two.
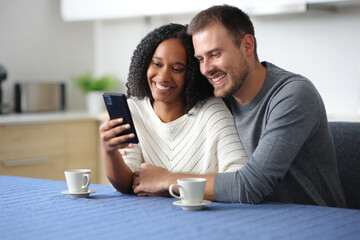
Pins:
x: 150, y: 179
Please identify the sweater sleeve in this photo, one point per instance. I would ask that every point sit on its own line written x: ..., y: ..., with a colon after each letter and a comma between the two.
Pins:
x: 290, y: 118
x: 133, y: 157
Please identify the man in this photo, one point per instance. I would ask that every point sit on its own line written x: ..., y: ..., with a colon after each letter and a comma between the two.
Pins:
x: 280, y: 118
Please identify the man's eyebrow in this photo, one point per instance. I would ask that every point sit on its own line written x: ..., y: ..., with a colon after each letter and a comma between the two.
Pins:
x: 214, y: 49
x: 209, y: 52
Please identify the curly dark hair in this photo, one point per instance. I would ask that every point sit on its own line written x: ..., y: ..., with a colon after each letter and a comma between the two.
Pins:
x: 196, y: 88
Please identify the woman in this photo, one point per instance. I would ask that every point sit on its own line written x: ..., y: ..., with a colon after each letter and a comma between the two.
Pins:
x: 180, y: 125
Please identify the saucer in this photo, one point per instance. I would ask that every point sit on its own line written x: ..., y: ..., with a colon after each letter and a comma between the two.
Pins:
x: 78, y: 194
x: 197, y: 206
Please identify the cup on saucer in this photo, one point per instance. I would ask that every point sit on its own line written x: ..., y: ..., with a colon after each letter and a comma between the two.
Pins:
x: 191, y: 193
x: 78, y: 182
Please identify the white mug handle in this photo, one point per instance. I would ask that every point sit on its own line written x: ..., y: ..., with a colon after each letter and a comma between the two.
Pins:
x: 88, y: 180
x: 172, y: 193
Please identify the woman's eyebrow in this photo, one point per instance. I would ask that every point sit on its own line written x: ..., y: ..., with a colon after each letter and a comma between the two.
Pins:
x: 180, y: 63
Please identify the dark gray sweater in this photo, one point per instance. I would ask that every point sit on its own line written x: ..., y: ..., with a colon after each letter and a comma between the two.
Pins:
x: 285, y: 132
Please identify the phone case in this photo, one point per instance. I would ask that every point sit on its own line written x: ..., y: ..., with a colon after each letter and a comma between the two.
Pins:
x: 117, y: 107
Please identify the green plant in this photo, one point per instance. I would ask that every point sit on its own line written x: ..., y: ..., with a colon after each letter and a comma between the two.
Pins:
x: 87, y: 83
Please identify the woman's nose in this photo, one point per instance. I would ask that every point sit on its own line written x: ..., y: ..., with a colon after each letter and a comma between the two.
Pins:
x: 165, y: 74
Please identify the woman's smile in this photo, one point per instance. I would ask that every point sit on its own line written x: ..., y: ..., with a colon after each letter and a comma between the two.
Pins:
x: 161, y: 87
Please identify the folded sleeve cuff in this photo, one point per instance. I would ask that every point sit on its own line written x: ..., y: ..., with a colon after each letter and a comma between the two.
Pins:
x: 223, y: 187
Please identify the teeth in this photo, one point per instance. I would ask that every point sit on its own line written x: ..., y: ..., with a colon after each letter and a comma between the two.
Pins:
x: 161, y: 87
x: 218, y: 78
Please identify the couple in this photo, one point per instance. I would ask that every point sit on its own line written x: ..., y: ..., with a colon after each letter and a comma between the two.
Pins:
x: 286, y: 153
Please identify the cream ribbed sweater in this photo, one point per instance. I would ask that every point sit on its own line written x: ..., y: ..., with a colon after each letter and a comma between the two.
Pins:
x: 203, y: 141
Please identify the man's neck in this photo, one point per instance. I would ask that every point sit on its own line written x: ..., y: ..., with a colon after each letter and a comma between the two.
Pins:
x: 252, y: 84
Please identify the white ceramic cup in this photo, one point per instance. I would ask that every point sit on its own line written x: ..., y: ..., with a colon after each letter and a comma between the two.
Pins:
x: 191, y: 190
x: 78, y: 180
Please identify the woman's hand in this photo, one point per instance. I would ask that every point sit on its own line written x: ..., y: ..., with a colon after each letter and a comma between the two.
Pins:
x: 109, y: 130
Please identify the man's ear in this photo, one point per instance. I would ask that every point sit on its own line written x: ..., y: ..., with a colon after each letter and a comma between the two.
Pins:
x: 247, y: 45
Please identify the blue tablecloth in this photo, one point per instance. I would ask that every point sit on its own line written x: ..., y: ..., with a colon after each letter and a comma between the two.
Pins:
x: 36, y: 209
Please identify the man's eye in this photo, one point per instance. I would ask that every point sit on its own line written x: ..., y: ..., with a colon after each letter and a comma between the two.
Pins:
x: 216, y: 54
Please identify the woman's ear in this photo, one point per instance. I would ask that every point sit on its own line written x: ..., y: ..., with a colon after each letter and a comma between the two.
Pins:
x: 247, y: 45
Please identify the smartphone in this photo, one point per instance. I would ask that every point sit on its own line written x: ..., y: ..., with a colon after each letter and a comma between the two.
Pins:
x: 117, y: 107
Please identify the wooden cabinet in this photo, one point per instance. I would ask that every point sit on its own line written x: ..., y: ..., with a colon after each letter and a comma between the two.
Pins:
x: 45, y: 150
x: 82, y: 146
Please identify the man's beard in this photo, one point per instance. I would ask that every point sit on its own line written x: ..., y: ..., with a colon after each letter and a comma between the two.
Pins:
x: 236, y: 84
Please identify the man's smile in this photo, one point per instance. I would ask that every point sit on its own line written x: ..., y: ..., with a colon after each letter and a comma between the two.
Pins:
x: 218, y: 80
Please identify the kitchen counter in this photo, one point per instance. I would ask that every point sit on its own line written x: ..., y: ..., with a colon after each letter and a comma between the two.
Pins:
x: 45, y: 117
x: 344, y: 117
x: 43, y: 145
x: 33, y: 143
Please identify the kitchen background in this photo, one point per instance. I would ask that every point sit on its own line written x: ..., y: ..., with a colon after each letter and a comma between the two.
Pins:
x: 36, y: 44
x: 57, y: 40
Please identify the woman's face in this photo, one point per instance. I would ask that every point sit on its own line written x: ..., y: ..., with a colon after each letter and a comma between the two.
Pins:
x: 166, y: 72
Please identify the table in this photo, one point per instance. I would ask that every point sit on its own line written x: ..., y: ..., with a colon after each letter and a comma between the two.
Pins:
x: 36, y: 209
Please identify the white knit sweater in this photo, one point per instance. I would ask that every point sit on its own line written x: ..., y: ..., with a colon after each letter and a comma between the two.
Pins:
x: 203, y: 141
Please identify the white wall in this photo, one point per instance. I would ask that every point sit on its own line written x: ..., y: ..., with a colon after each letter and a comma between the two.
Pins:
x: 35, y: 44
x: 323, y: 46
x: 117, y: 39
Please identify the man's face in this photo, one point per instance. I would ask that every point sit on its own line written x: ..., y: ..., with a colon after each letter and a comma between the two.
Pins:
x: 221, y: 62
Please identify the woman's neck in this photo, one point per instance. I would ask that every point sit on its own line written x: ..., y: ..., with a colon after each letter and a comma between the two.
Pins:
x: 168, y: 112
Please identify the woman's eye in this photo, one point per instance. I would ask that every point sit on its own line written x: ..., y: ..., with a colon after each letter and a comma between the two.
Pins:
x: 156, y: 64
x: 178, y: 70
